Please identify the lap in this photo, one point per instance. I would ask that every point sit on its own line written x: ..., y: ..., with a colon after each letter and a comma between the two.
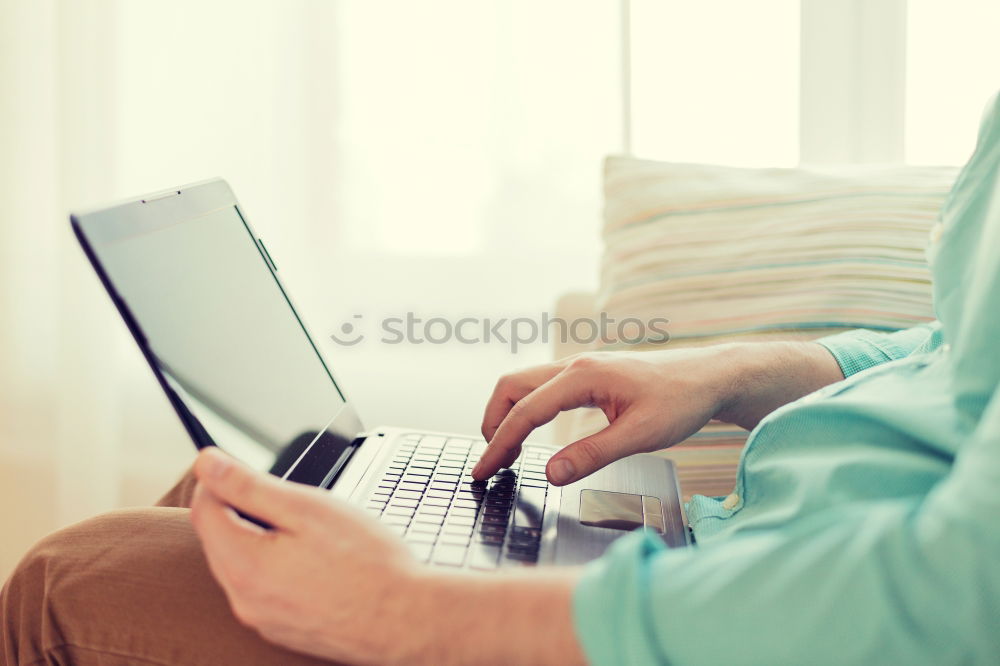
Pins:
x: 129, y: 586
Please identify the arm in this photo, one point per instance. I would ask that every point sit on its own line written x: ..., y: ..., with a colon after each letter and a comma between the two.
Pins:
x: 911, y: 580
x: 652, y: 399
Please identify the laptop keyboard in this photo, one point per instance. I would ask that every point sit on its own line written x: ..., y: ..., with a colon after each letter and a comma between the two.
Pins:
x: 427, y: 496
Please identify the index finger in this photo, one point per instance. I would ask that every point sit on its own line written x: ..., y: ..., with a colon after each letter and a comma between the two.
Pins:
x: 560, y: 393
x: 510, y: 389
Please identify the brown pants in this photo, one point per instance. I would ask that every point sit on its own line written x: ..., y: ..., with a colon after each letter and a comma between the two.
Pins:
x: 127, y: 587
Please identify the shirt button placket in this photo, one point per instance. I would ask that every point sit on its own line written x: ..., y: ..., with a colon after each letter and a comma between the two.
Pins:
x: 936, y: 232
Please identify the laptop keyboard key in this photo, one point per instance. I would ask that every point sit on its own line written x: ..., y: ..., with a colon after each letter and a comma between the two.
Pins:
x: 522, y: 545
x: 421, y: 551
x: 494, y: 520
x: 448, y: 555
x: 429, y: 520
x: 484, y: 557
x: 522, y: 554
x: 448, y: 539
x: 395, y: 521
x: 491, y: 539
x: 420, y: 530
x: 460, y: 519
x: 453, y: 528
x: 405, y: 512
x: 525, y: 533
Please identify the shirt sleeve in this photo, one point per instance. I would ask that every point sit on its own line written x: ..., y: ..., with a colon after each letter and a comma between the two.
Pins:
x: 912, y: 580
x: 861, y: 349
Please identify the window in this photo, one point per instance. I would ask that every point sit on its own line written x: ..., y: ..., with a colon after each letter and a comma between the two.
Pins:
x: 716, y: 81
x: 469, y: 128
x: 953, y: 67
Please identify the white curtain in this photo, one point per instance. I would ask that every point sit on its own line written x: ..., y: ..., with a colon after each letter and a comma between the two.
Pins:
x: 58, y: 394
x: 104, y: 99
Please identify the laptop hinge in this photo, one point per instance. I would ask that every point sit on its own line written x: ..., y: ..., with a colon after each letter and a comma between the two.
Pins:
x: 341, y: 462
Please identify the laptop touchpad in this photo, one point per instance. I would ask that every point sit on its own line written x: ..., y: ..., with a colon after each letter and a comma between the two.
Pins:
x: 620, y: 511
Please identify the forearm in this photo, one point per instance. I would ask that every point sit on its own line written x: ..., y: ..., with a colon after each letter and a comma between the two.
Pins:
x: 511, y: 617
x: 767, y: 375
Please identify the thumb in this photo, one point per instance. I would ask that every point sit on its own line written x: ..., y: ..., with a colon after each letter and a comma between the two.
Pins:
x: 283, y: 504
x: 586, y: 456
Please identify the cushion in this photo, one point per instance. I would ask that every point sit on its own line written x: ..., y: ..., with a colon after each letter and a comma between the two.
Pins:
x: 730, y: 254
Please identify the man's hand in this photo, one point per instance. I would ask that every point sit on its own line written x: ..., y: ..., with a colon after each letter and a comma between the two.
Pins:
x: 652, y: 399
x: 328, y: 581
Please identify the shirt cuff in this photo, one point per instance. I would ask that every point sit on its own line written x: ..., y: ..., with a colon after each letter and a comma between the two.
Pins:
x: 854, y: 351
x: 861, y: 349
x: 611, y: 604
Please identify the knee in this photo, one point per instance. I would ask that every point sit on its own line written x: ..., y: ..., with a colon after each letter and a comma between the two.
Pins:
x: 27, y: 627
x: 60, y: 577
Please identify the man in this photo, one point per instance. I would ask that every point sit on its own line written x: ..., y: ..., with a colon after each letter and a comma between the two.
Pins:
x: 864, y: 526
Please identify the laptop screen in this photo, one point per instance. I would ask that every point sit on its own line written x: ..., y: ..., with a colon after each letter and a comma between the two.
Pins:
x: 224, y: 335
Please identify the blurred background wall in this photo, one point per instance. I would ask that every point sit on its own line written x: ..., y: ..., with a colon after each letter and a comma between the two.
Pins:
x: 440, y: 157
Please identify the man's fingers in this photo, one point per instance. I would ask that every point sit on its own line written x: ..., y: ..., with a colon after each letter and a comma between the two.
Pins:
x: 509, y: 459
x: 537, y: 408
x: 280, y: 503
x: 587, y: 455
x: 510, y: 389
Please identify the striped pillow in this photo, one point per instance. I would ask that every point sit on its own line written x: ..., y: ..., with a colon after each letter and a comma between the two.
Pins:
x: 755, y: 254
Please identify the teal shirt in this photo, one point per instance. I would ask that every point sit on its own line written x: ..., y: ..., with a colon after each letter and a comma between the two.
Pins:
x: 865, y: 523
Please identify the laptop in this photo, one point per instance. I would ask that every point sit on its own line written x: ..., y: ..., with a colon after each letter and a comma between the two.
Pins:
x: 202, y: 297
